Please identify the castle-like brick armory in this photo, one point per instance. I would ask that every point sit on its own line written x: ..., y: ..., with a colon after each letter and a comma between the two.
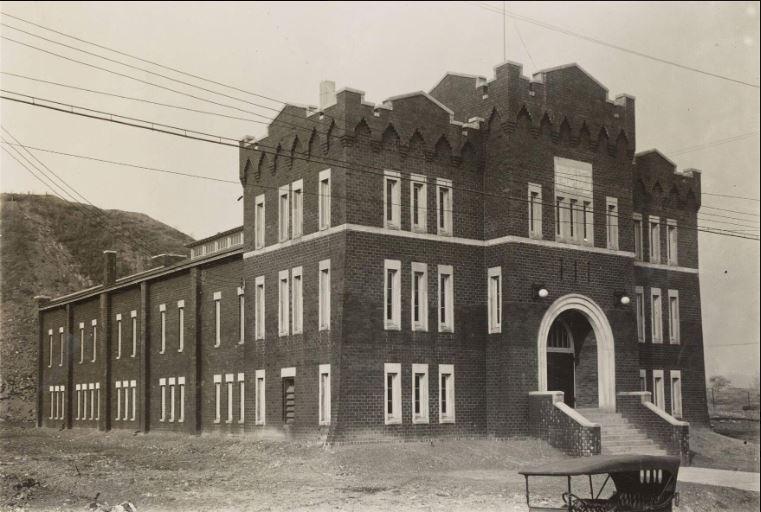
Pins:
x: 442, y: 264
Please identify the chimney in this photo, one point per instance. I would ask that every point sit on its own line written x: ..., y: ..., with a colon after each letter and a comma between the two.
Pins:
x: 166, y: 260
x: 327, y: 94
x: 109, y: 268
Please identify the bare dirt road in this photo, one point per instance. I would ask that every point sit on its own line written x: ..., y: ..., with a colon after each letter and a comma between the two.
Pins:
x: 43, y: 469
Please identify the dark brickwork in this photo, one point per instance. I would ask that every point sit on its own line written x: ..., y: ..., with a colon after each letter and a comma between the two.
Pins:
x: 553, y: 424
x: 672, y: 435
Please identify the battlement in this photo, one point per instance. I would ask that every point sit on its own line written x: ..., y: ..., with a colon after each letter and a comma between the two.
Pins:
x: 656, y: 179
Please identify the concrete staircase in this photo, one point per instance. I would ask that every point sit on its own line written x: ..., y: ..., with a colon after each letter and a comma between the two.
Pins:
x: 618, y: 435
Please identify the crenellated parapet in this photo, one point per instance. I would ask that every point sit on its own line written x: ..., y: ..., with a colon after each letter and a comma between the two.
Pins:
x: 657, y: 183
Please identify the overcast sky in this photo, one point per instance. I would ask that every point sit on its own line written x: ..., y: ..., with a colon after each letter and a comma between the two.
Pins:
x: 283, y: 51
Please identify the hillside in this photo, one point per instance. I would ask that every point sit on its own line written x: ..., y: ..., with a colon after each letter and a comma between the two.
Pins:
x: 53, y: 247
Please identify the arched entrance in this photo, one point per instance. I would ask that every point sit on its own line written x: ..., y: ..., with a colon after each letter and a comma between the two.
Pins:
x: 572, y: 324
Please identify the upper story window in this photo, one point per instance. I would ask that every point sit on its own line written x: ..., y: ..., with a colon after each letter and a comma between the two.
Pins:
x: 259, y: 308
x: 674, y: 317
x: 672, y: 240
x: 656, y: 315
x: 297, y: 300
x: 640, y: 307
x: 180, y: 325
x: 494, y: 288
x: 217, y: 318
x: 324, y: 295
x: 241, y: 315
x: 162, y: 312
x: 574, y: 221
x: 392, y: 297
x: 419, y: 297
x: 637, y: 226
x: 133, y: 317
x: 283, y: 314
x: 446, y: 298
x: 297, y: 201
x: 284, y: 210
x: 444, y: 206
x: 534, y: 210
x: 62, y: 339
x: 323, y: 200
x: 392, y: 184
x: 655, y: 238
x: 259, y: 224
x: 418, y: 203
x: 611, y: 222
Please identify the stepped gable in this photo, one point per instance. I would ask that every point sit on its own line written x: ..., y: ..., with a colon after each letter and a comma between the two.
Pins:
x: 657, y: 181
x: 556, y: 97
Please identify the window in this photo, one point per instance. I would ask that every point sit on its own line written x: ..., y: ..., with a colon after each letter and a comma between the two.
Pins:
x: 283, y: 304
x: 133, y: 387
x: 656, y: 318
x: 62, y: 341
x: 50, y: 348
x: 133, y: 316
x: 229, y: 378
x: 78, y: 389
x: 172, y: 383
x: 241, y: 315
x: 85, y: 397
x: 283, y: 213
x: 676, y: 393
x: 297, y: 200
x: 534, y: 210
x: 419, y: 301
x: 241, y: 398
x: 259, y: 225
x: 611, y: 222
x: 81, y: 342
x: 559, y: 217
x: 297, y: 299
x: 324, y: 394
x: 639, y: 304
x: 217, y: 398
x: 180, y: 325
x: 642, y: 380
x: 324, y: 295
x: 324, y: 199
x: 217, y: 318
x: 259, y: 307
x: 125, y: 387
x: 446, y: 299
x: 162, y: 385
x: 118, y: 386
x: 418, y: 203
x: 658, y: 398
x: 655, y: 239
x: 96, y: 401
x: 393, y: 393
x: 51, y: 393
x: 392, y: 297
x: 574, y: 221
x: 118, y: 336
x: 494, y: 287
x: 444, y: 207
x: 392, y: 200
x: 672, y: 239
x: 288, y: 378
x: 419, y: 393
x: 162, y: 311
x: 587, y: 219
x: 446, y: 393
x: 674, y: 317
x: 637, y: 223
x: 259, y: 398
x: 181, y: 385
x: 94, y: 341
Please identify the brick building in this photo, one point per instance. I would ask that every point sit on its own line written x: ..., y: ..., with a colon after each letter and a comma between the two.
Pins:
x: 436, y: 265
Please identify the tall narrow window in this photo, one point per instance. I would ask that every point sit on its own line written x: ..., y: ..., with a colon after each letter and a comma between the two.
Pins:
x: 62, y: 341
x: 656, y: 315
x: 85, y: 399
x: 133, y: 317
x: 181, y: 385
x: 50, y: 348
x: 180, y: 325
x: 573, y: 206
x: 658, y: 396
x: 535, y: 210
x: 133, y: 389
x: 78, y: 389
x: 446, y: 299
x: 392, y: 393
x: 95, y: 401
x: 283, y: 304
x: 637, y: 223
x: 444, y: 206
x: 655, y: 239
x: 241, y: 398
x: 672, y: 240
x: 125, y: 388
x: 63, y: 402
x: 241, y: 315
x: 611, y: 221
x: 162, y: 312
x: 494, y: 303
x: 419, y: 393
x: 446, y: 393
x: 217, y: 318
x: 392, y: 298
x: 94, y: 341
x: 674, y: 317
x: 418, y: 203
x: 419, y: 301
x: 119, y: 336
x: 640, y: 306
x: 676, y: 393
x: 392, y: 200
x: 324, y: 295
x: 284, y: 208
x: 324, y: 394
x: 162, y: 386
x: 324, y: 199
x: 230, y: 386
x: 642, y: 379
x: 259, y: 398
x: 81, y: 342
x: 51, y: 393
x: 259, y: 222
x: 172, y: 397
x: 297, y: 202
x: 217, y: 398
x: 588, y: 222
x: 118, y: 386
x: 297, y: 300
x: 560, y: 218
x: 259, y: 307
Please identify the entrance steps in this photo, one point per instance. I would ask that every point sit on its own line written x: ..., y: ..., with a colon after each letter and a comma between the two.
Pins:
x: 618, y: 435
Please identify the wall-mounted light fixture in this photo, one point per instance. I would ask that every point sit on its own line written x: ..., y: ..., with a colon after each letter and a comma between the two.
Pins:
x: 540, y: 291
x: 622, y: 299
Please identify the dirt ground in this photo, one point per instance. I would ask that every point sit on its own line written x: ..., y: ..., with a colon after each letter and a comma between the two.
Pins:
x: 44, y: 469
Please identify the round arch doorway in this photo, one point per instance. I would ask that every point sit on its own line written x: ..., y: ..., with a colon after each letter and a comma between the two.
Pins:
x: 570, y: 325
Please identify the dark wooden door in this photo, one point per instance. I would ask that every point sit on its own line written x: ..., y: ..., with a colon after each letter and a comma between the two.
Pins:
x: 560, y: 375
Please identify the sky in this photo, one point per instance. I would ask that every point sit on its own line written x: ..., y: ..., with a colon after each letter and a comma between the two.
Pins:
x: 283, y: 51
